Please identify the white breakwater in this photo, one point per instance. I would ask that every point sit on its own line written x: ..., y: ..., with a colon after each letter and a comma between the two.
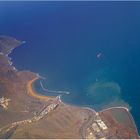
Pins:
x: 53, y: 91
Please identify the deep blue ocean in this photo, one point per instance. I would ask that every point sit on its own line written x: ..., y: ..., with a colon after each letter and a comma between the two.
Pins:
x: 90, y: 49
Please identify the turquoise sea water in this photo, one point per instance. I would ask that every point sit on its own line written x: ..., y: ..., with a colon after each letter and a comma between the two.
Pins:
x: 90, y: 49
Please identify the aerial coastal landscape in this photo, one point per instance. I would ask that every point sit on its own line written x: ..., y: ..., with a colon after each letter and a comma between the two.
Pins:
x: 69, y: 70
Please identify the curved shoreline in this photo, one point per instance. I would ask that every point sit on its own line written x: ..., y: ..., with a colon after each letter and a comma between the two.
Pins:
x: 32, y: 92
x: 35, y: 94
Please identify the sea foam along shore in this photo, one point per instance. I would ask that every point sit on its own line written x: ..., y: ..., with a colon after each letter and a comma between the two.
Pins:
x: 9, y: 52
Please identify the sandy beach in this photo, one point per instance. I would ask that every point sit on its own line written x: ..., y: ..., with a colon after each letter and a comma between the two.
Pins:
x: 33, y: 93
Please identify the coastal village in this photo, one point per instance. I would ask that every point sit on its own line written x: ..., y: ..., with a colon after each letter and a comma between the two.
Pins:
x: 104, y: 126
x: 4, y: 102
x: 97, y: 129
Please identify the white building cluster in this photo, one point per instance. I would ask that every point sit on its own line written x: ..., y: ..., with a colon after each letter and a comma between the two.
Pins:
x: 4, y: 102
x: 45, y: 111
x: 97, y: 129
